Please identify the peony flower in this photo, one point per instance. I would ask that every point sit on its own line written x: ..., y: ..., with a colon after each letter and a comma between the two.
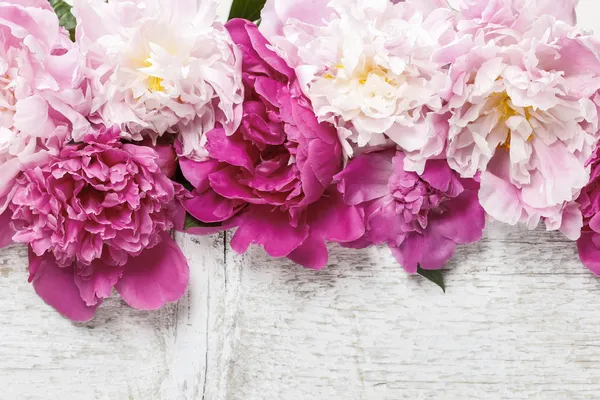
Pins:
x: 367, y: 67
x: 98, y: 216
x: 159, y: 67
x: 421, y: 218
x: 589, y: 201
x: 524, y: 114
x: 43, y: 94
x: 271, y: 176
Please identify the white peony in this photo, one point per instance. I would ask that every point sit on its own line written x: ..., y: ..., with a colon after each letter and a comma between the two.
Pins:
x: 161, y: 66
x: 366, y: 66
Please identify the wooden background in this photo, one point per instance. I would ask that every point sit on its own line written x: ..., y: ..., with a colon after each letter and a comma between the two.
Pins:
x: 520, y: 320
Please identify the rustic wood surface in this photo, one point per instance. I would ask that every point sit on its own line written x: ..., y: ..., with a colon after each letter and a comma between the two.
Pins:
x: 520, y: 320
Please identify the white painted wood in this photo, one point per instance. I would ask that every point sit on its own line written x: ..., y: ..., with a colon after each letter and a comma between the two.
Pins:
x: 521, y: 320
x: 122, y: 354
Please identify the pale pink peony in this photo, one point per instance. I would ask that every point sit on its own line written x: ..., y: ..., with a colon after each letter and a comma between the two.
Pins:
x: 161, y: 66
x: 367, y: 68
x: 98, y: 216
x: 43, y: 93
x: 524, y: 112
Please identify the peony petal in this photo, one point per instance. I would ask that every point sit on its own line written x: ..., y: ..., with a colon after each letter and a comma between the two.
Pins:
x: 589, y: 253
x: 311, y: 254
x: 158, y: 276
x: 269, y: 228
x: 335, y: 221
x: 210, y: 207
x: 430, y: 251
x: 500, y: 199
x: 198, y: 172
x: 228, y: 150
x: 330, y: 220
x: 409, y: 253
x: 463, y: 221
x: 277, y: 12
x: 99, y: 285
x: 439, y: 175
x: 56, y: 286
x: 366, y: 177
x: 6, y: 231
x: 572, y: 221
x: 246, y: 35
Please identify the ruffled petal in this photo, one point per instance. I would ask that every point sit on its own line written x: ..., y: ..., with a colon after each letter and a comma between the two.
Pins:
x: 99, y: 284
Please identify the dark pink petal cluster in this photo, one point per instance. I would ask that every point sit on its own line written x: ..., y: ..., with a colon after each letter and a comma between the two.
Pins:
x: 270, y: 177
x: 589, y: 200
x: 98, y: 216
x: 422, y: 218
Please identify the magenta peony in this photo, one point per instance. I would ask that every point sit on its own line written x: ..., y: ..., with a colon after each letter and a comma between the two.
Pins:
x: 589, y: 200
x: 44, y: 97
x: 421, y: 218
x: 270, y: 177
x: 98, y: 216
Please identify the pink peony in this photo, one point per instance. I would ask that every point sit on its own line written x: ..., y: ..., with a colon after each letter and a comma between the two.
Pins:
x: 270, y: 177
x: 589, y: 242
x: 98, y: 216
x: 421, y: 218
x: 524, y: 109
x: 43, y: 94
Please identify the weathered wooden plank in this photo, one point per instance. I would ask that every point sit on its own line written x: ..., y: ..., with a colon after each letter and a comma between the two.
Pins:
x: 519, y: 321
x: 122, y: 353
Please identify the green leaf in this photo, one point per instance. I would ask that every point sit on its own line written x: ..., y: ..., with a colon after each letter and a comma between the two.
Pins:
x: 65, y: 17
x: 191, y: 222
x: 435, y: 276
x: 247, y: 9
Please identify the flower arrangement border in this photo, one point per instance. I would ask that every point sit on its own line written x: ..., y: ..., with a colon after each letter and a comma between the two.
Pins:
x: 405, y: 123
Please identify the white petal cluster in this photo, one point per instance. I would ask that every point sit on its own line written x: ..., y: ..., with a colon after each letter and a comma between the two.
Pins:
x: 161, y: 66
x: 366, y: 66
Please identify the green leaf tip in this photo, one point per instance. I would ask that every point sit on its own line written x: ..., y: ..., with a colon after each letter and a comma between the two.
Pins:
x: 246, y: 9
x: 65, y: 17
x: 435, y: 276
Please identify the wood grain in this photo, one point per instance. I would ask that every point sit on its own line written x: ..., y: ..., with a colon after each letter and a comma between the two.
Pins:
x: 122, y: 353
x: 520, y: 320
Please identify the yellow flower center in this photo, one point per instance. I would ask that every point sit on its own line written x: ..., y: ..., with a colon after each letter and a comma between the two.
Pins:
x: 506, y: 112
x: 155, y: 84
x: 361, y: 76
